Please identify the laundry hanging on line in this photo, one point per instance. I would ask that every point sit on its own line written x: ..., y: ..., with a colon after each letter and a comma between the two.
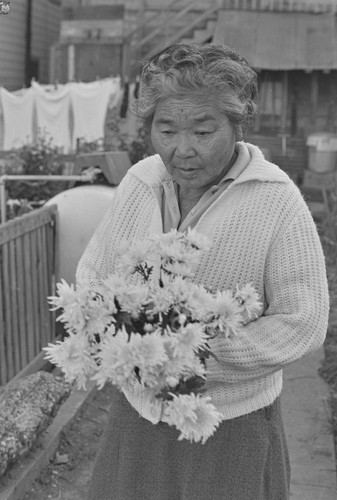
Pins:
x: 64, y: 113
x: 89, y: 105
x: 53, y: 115
x: 17, y: 111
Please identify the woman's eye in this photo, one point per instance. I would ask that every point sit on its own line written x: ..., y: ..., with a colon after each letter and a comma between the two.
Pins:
x: 167, y: 132
x: 203, y: 132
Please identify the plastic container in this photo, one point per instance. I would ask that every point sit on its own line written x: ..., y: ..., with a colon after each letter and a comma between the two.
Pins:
x: 322, y: 152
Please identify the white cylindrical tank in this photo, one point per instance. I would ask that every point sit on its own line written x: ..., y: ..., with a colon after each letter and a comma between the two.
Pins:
x: 80, y: 211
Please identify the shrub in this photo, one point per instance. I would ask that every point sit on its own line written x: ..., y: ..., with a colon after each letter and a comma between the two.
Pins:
x: 38, y: 158
x: 137, y: 145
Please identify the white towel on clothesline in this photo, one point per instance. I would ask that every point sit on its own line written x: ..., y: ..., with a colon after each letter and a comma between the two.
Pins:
x: 17, y: 113
x: 47, y: 87
x: 90, y: 102
x: 53, y: 115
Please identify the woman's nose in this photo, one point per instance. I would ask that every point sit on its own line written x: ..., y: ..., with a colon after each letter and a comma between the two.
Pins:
x: 184, y: 146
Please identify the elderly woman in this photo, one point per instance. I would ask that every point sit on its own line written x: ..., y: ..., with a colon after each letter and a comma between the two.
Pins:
x: 197, y: 102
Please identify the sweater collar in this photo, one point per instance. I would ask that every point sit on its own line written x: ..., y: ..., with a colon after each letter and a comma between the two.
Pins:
x: 152, y: 170
x: 258, y: 168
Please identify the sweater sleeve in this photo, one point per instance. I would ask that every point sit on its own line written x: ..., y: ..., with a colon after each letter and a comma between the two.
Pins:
x: 129, y: 217
x: 296, y: 317
x: 93, y: 266
x: 133, y: 213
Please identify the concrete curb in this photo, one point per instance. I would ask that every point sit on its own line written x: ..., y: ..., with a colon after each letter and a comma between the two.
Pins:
x: 23, y: 474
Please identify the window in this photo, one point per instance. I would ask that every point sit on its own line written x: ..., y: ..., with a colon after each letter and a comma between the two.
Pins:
x: 270, y: 101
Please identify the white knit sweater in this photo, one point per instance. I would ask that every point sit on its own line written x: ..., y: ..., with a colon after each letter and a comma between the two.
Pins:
x: 262, y: 233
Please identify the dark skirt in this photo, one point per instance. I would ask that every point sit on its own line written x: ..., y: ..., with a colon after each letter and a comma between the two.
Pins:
x: 246, y: 459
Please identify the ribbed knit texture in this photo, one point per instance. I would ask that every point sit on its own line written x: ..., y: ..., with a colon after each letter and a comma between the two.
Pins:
x: 262, y: 233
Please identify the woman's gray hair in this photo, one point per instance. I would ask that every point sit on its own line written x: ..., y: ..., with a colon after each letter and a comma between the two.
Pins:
x: 211, y: 70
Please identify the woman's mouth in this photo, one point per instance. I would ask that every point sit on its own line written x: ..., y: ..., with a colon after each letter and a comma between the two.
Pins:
x: 187, y: 170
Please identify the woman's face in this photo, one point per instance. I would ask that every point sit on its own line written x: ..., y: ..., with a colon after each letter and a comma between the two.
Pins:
x: 195, y: 141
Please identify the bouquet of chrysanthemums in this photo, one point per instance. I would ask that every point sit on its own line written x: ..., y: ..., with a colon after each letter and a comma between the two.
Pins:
x: 153, y: 329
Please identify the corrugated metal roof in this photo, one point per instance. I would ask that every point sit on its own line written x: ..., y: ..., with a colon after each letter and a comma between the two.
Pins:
x: 280, y: 40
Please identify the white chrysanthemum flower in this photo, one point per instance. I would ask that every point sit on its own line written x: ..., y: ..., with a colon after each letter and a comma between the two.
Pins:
x: 194, y: 416
x: 82, y: 308
x: 97, y: 313
x: 169, y: 238
x: 179, y: 268
x: 133, y: 298
x: 249, y: 300
x: 116, y: 360
x: 179, y: 289
x: 87, y: 313
x: 73, y: 317
x: 131, y: 256
x: 150, y: 356
x: 114, y: 284
x: 160, y: 300
x: 195, y: 367
x: 181, y: 363
x: 74, y: 356
x: 199, y: 303
x: 66, y: 295
x: 109, y: 332
x: 189, y: 338
x: 227, y: 313
x: 171, y: 249
x: 98, y: 318
x: 120, y: 355
x: 178, y: 255
x: 198, y: 240
x: 186, y: 367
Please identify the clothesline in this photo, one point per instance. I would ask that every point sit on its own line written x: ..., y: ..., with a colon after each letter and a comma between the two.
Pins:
x: 64, y: 112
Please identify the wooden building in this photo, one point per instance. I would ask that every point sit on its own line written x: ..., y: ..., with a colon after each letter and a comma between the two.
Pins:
x: 295, y: 55
x: 26, y: 35
x: 91, y: 42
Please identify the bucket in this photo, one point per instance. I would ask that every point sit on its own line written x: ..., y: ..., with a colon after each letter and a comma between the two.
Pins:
x: 322, y: 152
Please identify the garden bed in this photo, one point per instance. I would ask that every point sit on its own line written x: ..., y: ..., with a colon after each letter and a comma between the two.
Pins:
x: 27, y: 407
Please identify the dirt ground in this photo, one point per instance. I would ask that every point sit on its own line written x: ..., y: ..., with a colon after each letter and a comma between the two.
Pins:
x: 66, y: 478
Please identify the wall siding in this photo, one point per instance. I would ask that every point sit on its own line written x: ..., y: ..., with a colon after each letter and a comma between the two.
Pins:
x: 12, y: 43
x: 46, y: 18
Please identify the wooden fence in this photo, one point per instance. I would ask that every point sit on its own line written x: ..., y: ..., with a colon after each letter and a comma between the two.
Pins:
x: 27, y: 277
